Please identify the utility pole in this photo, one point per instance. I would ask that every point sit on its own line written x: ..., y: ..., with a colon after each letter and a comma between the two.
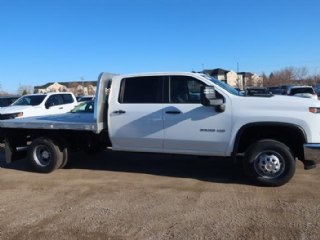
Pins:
x: 240, y: 85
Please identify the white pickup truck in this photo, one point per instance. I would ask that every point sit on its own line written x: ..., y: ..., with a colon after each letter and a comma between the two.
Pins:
x: 177, y: 113
x: 39, y: 105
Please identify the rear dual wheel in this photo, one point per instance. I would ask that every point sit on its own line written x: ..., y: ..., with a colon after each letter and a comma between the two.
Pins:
x: 45, y: 155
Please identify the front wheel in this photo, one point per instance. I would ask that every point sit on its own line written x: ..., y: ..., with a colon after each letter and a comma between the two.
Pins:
x: 269, y: 163
x: 45, y: 155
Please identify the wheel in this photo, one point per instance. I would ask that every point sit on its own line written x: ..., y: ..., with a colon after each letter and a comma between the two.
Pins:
x: 269, y: 163
x: 45, y: 155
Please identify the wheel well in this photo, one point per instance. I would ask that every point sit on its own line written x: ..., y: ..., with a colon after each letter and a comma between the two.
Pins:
x: 290, y: 135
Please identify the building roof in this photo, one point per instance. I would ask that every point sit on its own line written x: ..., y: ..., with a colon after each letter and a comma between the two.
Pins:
x: 216, y: 71
x: 67, y: 84
x: 245, y: 74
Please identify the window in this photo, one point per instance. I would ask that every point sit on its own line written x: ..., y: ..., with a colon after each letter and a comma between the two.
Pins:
x: 6, y: 101
x: 84, y: 107
x: 54, y: 100
x: 29, y: 100
x: 142, y: 90
x: 184, y: 89
x: 67, y: 98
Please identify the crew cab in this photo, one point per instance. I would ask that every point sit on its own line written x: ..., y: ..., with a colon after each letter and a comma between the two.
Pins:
x: 177, y: 113
x: 38, y: 105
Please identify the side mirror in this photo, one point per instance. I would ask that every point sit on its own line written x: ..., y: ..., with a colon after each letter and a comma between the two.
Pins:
x: 208, y: 98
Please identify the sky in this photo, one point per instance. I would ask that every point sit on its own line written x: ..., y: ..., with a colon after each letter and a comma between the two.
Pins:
x: 45, y: 41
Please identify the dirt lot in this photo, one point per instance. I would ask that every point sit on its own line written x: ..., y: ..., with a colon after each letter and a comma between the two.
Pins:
x: 136, y: 196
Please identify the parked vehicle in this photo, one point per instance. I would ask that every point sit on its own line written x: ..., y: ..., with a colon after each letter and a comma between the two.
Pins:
x: 38, y: 105
x: 285, y: 88
x: 275, y: 90
x: 7, y: 100
x: 84, y: 107
x: 302, y: 91
x: 85, y: 98
x: 177, y: 113
x: 256, y: 91
x: 317, y: 89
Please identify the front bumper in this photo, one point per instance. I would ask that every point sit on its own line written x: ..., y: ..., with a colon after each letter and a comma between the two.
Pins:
x: 311, y: 153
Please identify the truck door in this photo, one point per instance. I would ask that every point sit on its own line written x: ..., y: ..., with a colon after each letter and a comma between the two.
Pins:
x: 190, y: 127
x: 59, y: 103
x: 136, y: 117
x: 54, y: 104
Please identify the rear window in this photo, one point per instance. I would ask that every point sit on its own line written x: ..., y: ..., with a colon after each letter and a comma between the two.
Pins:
x: 141, y: 90
x: 67, y: 98
x: 302, y: 90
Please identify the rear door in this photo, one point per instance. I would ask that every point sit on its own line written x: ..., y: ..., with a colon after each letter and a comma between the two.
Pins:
x: 54, y: 104
x: 60, y: 103
x: 136, y: 116
x: 69, y: 102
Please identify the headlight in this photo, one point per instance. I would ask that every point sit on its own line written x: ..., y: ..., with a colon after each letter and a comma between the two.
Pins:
x: 10, y: 115
x: 19, y: 114
x: 15, y: 115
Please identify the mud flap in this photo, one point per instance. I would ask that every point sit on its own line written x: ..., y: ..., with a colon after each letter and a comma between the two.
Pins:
x: 11, y: 152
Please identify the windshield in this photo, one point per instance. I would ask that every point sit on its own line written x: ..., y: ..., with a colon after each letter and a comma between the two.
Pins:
x: 223, y: 85
x: 32, y: 100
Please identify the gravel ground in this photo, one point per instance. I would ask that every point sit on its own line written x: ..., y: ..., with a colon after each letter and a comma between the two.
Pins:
x: 138, y: 196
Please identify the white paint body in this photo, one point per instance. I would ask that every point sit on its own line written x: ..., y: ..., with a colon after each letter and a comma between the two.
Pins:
x: 147, y: 127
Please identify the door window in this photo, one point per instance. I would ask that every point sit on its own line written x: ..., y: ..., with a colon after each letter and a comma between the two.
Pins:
x: 67, y: 98
x: 184, y: 89
x: 142, y: 90
x: 54, y: 100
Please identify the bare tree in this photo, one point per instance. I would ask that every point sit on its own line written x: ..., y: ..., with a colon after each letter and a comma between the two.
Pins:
x: 73, y: 87
x: 300, y: 74
x: 25, y: 89
x: 91, y: 90
x: 265, y: 80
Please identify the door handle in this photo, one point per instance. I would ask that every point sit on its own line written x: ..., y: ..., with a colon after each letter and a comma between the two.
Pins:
x: 60, y: 107
x: 119, y: 112
x: 173, y: 112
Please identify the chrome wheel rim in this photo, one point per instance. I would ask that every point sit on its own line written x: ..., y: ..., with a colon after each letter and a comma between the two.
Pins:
x: 269, y: 164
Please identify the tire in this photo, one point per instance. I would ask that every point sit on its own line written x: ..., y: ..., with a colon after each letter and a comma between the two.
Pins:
x: 269, y: 163
x: 64, y: 147
x: 45, y: 155
x: 65, y: 157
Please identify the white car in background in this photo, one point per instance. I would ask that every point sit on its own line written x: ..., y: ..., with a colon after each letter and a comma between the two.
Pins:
x: 39, y: 104
x: 302, y: 91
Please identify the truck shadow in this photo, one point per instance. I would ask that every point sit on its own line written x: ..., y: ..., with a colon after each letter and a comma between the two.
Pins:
x: 219, y: 170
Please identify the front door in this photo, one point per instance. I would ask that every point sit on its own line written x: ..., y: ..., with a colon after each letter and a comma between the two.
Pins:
x: 190, y: 127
